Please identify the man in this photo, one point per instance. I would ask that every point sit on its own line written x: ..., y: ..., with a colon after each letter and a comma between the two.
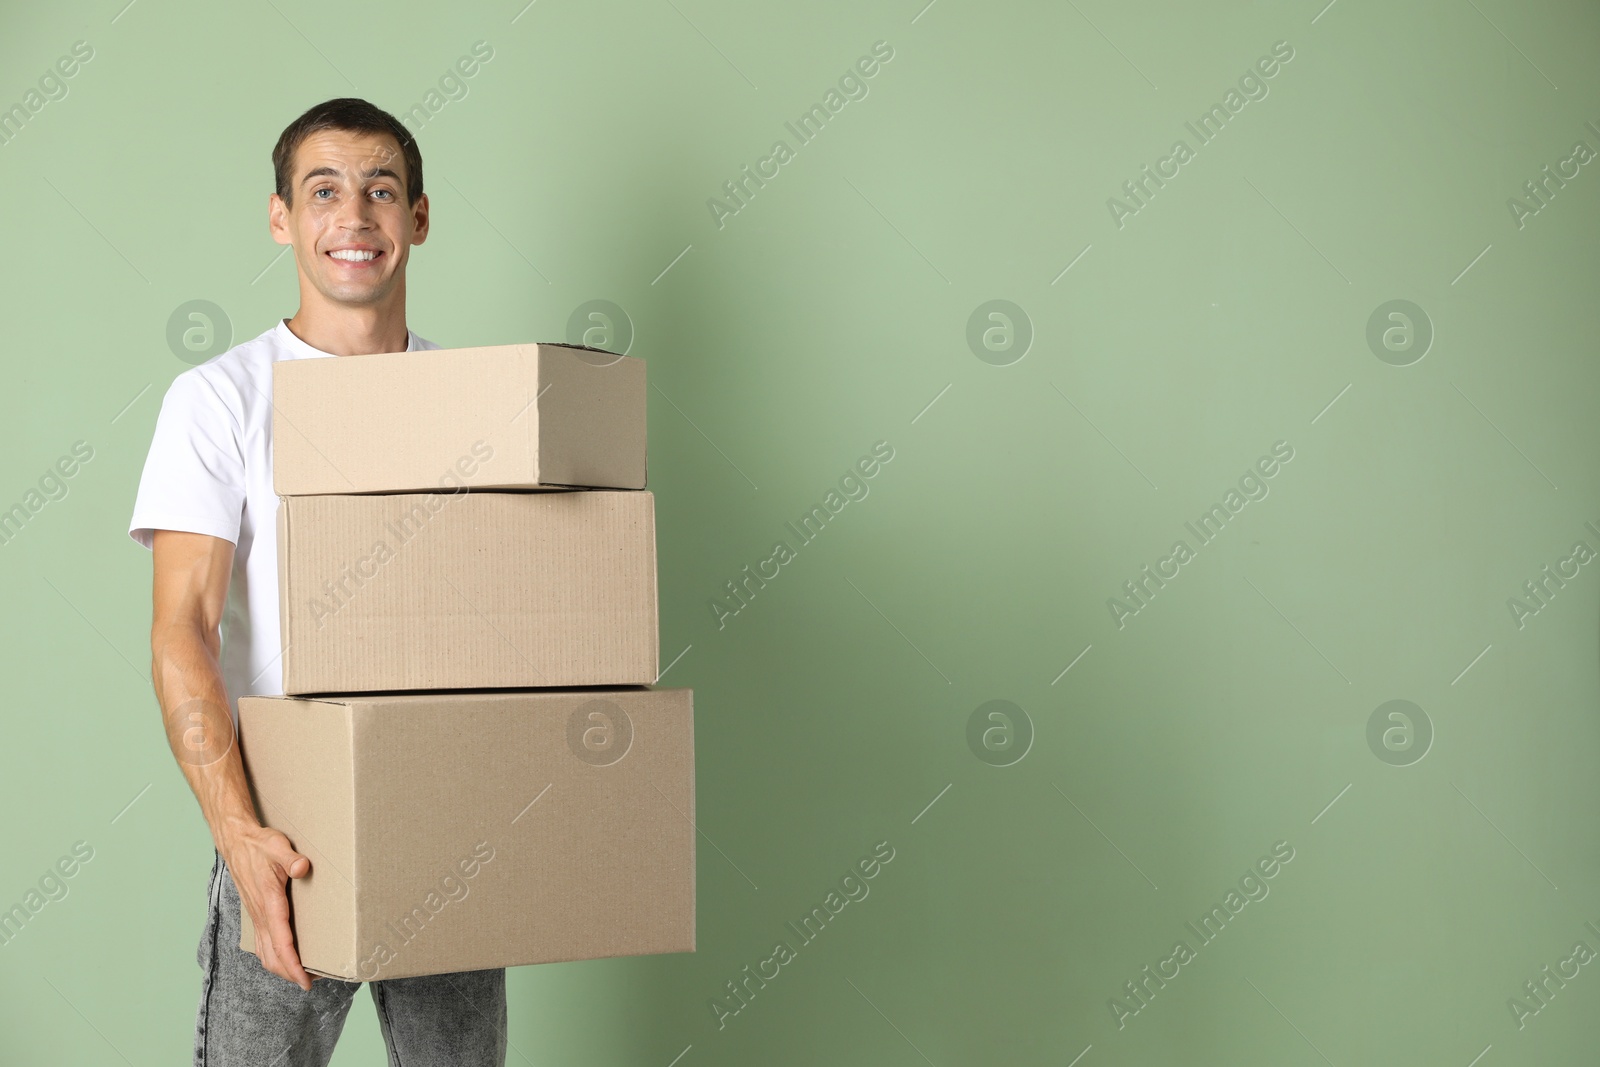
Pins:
x: 349, y: 201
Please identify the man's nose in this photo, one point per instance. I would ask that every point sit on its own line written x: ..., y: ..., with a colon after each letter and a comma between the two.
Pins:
x: 355, y: 212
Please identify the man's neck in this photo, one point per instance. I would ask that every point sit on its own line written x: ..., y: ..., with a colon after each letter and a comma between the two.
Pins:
x: 351, y: 331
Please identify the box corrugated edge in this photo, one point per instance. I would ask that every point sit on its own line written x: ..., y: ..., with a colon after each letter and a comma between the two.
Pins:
x: 285, y: 638
x: 530, y: 430
x: 655, y: 594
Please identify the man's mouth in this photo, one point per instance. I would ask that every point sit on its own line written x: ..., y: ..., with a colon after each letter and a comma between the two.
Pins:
x: 355, y: 257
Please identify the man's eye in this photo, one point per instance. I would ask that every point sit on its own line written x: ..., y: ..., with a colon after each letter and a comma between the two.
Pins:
x: 319, y: 192
x: 383, y: 193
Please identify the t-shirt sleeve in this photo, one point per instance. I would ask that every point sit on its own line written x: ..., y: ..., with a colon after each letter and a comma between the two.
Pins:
x: 194, y: 476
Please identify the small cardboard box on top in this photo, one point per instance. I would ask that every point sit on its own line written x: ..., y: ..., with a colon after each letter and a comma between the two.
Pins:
x: 460, y: 831
x: 467, y: 590
x: 499, y: 417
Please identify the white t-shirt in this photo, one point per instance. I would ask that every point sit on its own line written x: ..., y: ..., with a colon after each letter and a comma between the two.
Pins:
x: 209, y: 471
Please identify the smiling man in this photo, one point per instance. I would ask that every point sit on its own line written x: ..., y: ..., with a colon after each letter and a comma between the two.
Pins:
x: 349, y: 202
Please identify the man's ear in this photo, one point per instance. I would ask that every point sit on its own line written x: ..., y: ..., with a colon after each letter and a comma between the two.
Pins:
x: 419, y: 220
x: 278, y: 219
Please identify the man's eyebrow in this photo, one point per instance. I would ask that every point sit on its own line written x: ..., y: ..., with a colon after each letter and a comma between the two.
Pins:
x: 320, y: 172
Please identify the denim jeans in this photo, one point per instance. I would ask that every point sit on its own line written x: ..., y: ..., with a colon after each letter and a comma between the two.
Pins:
x: 250, y: 1016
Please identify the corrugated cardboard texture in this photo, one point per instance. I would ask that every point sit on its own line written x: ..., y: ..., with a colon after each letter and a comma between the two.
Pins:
x: 505, y: 416
x: 469, y: 590
x: 572, y: 809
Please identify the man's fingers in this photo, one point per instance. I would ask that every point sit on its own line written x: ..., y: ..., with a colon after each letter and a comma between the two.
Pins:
x: 263, y: 864
x: 281, y: 936
x: 286, y: 958
x: 293, y: 863
x: 266, y: 948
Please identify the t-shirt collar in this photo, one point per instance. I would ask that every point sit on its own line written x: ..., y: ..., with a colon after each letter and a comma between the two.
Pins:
x: 298, y: 349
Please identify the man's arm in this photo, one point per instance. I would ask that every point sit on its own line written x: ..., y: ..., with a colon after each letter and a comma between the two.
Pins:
x: 191, y: 589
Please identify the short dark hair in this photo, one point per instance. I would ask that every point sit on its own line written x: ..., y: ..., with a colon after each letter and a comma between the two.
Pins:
x: 352, y: 115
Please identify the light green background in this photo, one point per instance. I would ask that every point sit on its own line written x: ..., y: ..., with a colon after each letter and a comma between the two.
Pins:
x: 1226, y: 315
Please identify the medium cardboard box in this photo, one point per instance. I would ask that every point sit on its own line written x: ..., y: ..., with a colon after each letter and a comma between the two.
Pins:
x: 506, y: 416
x: 459, y: 831
x: 467, y: 590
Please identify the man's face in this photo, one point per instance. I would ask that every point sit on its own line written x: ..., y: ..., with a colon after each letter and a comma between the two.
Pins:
x: 350, y: 226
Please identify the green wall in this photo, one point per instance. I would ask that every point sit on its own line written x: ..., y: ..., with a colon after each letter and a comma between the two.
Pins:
x: 1041, y: 859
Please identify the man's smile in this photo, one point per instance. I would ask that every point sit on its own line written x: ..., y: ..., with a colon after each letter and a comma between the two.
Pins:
x: 356, y: 257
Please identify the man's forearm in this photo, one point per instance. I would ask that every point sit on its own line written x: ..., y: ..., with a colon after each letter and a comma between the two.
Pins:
x: 194, y: 705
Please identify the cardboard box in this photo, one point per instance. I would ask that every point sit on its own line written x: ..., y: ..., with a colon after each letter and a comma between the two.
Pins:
x: 458, y: 831
x: 467, y: 590
x: 507, y: 416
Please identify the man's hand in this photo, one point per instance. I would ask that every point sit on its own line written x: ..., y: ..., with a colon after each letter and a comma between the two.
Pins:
x: 262, y: 861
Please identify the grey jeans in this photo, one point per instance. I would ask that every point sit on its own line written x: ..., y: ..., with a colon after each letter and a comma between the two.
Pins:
x: 249, y: 1017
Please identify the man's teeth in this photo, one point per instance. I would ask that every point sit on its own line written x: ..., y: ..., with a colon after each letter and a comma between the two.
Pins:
x: 353, y: 255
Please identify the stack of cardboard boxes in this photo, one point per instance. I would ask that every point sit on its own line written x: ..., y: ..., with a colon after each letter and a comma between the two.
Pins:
x: 472, y: 751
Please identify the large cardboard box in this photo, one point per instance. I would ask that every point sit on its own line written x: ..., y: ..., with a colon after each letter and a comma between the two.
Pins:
x: 506, y: 416
x: 458, y: 831
x: 467, y: 590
